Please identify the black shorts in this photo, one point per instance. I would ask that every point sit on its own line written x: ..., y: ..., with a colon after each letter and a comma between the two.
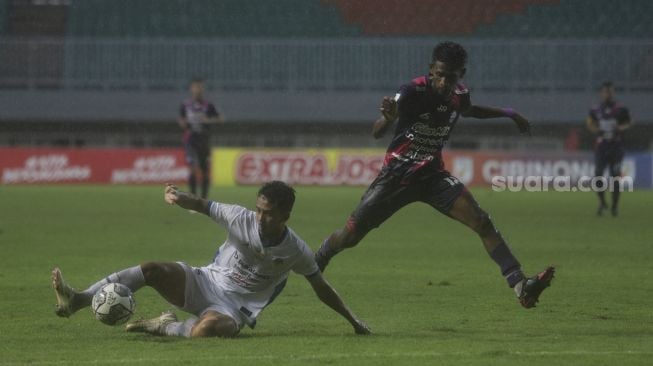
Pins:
x: 389, y: 193
x: 198, y: 151
x: 608, y: 155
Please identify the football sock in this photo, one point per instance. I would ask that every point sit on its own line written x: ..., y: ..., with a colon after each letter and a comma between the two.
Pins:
x: 615, y: 194
x: 510, y: 267
x: 192, y: 182
x: 131, y: 277
x: 602, y: 197
x: 181, y: 329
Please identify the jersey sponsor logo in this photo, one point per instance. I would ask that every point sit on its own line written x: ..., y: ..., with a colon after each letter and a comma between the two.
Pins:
x: 442, y: 108
x: 47, y: 168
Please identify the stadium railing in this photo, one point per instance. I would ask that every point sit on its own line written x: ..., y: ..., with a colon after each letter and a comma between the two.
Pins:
x: 318, y: 64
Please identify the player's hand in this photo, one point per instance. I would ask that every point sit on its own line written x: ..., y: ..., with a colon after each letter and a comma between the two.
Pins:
x: 360, y: 327
x: 522, y: 124
x: 171, y: 193
x: 389, y: 109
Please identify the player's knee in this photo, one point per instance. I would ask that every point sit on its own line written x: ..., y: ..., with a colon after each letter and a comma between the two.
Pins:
x: 153, y: 272
x: 222, y: 326
x: 349, y: 237
x: 483, y: 223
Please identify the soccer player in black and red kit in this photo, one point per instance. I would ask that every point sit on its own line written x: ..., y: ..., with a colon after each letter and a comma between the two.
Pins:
x: 608, y: 120
x: 426, y: 111
x: 195, y: 116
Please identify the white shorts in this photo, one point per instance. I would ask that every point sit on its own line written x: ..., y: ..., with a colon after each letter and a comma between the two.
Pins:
x: 202, y: 295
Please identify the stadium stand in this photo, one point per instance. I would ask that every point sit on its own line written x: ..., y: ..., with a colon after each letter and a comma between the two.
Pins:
x: 3, y: 16
x: 347, y: 18
x: 206, y: 18
x: 428, y: 17
x: 501, y: 18
x: 34, y: 17
x: 576, y: 19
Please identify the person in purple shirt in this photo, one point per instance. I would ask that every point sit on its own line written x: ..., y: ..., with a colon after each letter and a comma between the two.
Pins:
x: 608, y: 121
x: 425, y: 111
x: 196, y: 114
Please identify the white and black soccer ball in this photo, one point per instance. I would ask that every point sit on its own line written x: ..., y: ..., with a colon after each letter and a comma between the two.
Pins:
x: 113, y: 304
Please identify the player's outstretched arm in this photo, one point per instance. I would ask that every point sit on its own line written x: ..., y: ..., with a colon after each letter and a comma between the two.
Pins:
x: 330, y: 297
x: 389, y: 114
x: 481, y: 112
x: 172, y: 195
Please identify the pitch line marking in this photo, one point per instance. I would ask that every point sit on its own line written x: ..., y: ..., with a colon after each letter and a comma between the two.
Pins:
x: 336, y: 356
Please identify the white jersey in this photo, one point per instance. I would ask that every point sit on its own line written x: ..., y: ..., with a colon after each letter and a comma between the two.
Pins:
x: 243, y: 267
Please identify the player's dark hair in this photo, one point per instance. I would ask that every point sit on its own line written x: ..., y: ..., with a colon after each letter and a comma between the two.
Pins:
x: 279, y: 194
x: 451, y: 53
x: 607, y: 84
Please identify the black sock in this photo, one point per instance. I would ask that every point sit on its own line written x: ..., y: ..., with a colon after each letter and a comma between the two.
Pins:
x: 510, y: 267
x: 602, y: 198
x: 615, y: 195
x: 205, y: 184
x: 192, y: 183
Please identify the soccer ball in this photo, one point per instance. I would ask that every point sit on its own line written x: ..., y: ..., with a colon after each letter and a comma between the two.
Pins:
x: 113, y: 304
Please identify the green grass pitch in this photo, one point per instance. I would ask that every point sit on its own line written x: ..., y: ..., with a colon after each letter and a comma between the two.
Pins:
x: 423, y: 282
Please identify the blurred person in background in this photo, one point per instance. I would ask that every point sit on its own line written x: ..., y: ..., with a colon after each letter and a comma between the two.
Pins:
x: 608, y: 120
x: 196, y: 114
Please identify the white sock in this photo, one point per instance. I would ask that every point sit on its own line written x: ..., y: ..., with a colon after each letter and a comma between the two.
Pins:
x: 519, y: 286
x: 181, y: 329
x: 131, y: 277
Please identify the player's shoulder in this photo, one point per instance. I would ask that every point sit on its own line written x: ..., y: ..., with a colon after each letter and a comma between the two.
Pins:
x: 295, y: 241
x: 414, y: 87
x: 461, y: 89
x: 418, y: 84
x: 620, y: 107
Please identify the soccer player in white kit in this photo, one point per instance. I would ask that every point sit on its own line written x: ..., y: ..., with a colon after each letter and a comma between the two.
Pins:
x: 249, y: 270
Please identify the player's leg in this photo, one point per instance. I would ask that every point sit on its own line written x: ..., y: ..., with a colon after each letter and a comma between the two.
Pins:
x: 615, y: 173
x: 210, y: 324
x: 204, y: 167
x: 466, y: 210
x: 383, y: 198
x: 600, y: 163
x: 192, y: 158
x: 215, y: 324
x: 167, y: 278
x: 460, y: 205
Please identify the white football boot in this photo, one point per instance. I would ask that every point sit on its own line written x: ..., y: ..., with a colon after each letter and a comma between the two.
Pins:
x: 155, y: 326
x: 64, y: 293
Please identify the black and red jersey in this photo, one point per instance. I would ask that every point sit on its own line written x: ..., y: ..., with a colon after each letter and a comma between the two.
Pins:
x: 426, y: 120
x: 193, y: 110
x: 608, y: 116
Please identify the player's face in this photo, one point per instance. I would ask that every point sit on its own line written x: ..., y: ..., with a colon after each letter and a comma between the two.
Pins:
x: 196, y: 89
x: 444, y: 78
x: 607, y: 93
x: 270, y: 219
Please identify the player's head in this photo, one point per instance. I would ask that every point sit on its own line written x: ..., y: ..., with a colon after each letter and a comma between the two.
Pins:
x: 274, y: 203
x: 447, y: 66
x: 196, y: 88
x: 607, y: 91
